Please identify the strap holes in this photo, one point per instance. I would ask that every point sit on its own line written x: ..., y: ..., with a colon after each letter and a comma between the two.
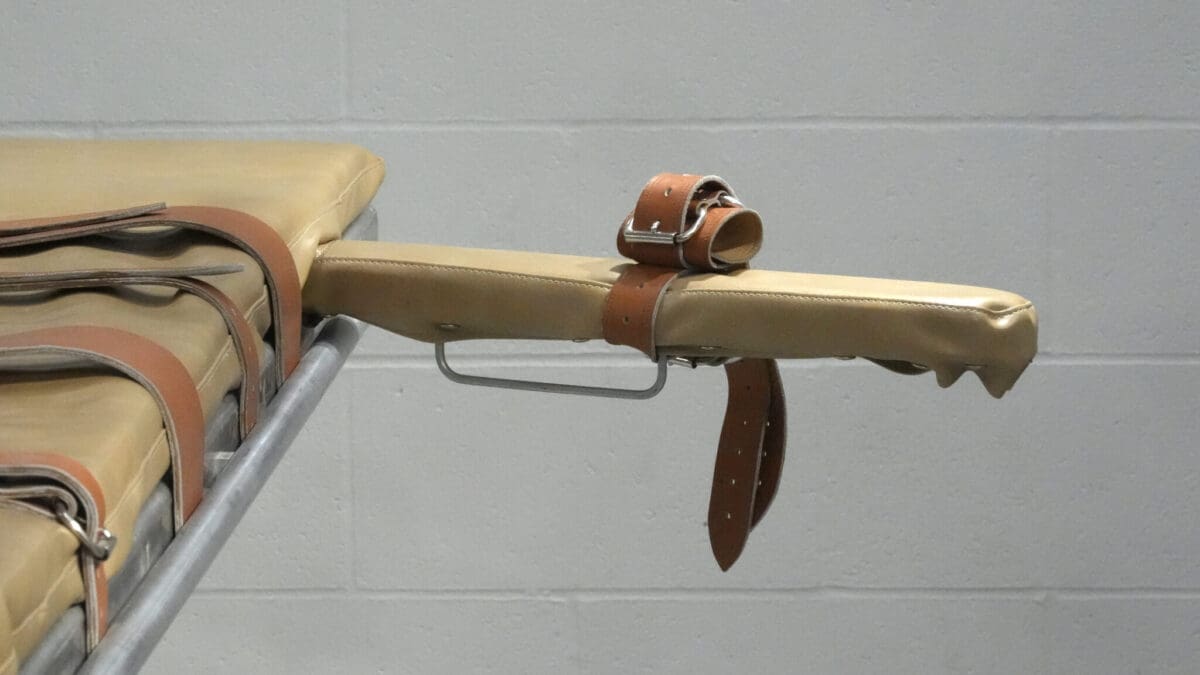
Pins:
x: 745, y: 423
x: 733, y: 481
x: 747, y: 387
x: 641, y: 285
x: 738, y: 450
x: 728, y: 516
x: 625, y: 319
x: 667, y: 192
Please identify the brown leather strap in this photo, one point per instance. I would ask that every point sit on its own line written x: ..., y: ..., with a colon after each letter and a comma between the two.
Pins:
x: 632, y: 306
x: 725, y: 234
x: 243, y: 336
x: 243, y: 230
x: 31, y: 225
x: 57, y: 473
x: 749, y: 456
x: 711, y: 231
x: 154, y: 368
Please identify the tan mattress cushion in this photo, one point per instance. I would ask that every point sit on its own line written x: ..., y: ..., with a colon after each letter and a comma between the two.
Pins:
x: 309, y: 192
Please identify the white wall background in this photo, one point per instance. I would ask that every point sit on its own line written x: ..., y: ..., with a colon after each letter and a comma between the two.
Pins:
x: 423, y: 527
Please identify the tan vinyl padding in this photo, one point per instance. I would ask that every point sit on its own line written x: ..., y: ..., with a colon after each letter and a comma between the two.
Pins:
x: 415, y: 290
x: 309, y: 192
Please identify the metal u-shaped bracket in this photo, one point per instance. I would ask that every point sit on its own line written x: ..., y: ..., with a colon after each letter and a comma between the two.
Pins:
x: 439, y: 353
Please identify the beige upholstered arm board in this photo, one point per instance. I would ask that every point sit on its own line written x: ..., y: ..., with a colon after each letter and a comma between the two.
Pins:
x: 142, y: 283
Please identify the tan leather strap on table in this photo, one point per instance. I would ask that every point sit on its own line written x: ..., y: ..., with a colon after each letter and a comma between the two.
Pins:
x: 150, y: 365
x: 243, y: 336
x: 688, y: 222
x: 243, y: 230
x: 29, y: 480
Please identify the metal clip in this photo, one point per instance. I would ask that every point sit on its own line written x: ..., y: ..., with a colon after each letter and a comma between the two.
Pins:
x: 100, y: 549
x: 439, y: 353
x: 654, y: 236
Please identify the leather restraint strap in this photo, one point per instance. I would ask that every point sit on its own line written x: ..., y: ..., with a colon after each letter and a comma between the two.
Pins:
x: 687, y: 222
x: 148, y: 364
x: 243, y: 230
x: 64, y: 490
x: 243, y: 336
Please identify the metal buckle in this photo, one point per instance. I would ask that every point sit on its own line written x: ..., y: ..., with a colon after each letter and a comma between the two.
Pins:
x: 439, y: 353
x: 100, y: 549
x: 654, y: 236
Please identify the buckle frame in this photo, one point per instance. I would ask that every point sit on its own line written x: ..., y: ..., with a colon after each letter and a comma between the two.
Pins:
x: 99, y: 548
x: 655, y: 236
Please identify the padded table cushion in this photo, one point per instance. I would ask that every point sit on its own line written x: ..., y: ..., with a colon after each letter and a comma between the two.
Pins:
x: 308, y: 192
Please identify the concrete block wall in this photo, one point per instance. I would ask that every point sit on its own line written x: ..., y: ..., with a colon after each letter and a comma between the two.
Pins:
x: 1052, y: 149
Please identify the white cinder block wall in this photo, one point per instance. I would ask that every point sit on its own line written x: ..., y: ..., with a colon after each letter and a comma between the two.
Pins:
x: 420, y: 526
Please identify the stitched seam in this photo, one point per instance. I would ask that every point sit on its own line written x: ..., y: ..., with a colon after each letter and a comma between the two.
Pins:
x: 378, y: 164
x: 456, y: 268
x: 876, y: 301
x: 212, y: 367
x: 253, y: 310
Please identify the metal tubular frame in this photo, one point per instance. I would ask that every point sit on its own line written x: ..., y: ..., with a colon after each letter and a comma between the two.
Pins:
x: 135, y: 632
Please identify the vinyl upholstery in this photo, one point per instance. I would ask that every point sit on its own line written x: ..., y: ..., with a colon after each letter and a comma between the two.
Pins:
x: 309, y: 192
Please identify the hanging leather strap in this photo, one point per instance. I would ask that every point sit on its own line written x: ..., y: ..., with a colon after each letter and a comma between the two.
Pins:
x: 689, y: 222
x: 242, y: 230
x: 62, y: 489
x: 150, y: 365
x: 243, y: 336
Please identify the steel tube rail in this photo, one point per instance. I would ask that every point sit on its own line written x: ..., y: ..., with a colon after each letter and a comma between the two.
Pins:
x: 137, y: 629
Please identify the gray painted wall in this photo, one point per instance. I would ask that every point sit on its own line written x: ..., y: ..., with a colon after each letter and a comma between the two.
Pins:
x: 1052, y: 151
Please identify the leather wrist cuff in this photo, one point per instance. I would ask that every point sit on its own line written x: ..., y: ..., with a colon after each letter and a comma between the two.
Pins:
x: 689, y: 222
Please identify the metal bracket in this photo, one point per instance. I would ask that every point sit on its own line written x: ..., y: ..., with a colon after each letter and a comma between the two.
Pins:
x: 439, y: 353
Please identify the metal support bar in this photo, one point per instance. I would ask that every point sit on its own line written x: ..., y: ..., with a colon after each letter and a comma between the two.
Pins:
x: 134, y: 633
x: 439, y: 355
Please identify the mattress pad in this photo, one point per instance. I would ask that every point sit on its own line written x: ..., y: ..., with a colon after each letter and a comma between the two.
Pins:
x: 307, y: 192
x: 143, y: 282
